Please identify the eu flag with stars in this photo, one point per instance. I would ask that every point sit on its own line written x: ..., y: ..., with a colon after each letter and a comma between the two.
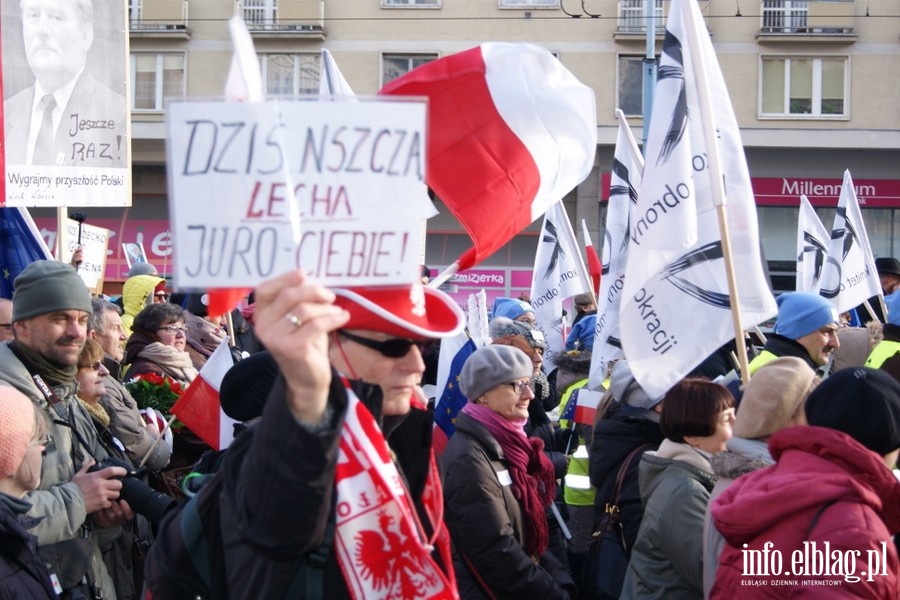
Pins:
x: 20, y: 245
x: 452, y: 398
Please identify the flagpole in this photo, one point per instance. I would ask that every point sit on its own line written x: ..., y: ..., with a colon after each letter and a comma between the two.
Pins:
x: 156, y: 441
x: 445, y: 276
x: 717, y: 184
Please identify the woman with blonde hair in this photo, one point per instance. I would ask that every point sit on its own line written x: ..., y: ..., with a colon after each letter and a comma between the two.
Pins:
x: 23, y: 439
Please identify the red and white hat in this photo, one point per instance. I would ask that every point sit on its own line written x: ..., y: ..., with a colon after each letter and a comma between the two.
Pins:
x: 414, y: 311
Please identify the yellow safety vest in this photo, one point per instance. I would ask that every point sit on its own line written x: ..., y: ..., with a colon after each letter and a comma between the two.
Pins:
x: 764, y: 357
x: 883, y: 351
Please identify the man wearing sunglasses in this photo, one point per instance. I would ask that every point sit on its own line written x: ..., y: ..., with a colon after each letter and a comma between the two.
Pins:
x: 74, y: 509
x: 339, y: 465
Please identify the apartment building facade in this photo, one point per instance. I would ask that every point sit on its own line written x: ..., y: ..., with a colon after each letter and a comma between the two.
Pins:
x: 815, y: 86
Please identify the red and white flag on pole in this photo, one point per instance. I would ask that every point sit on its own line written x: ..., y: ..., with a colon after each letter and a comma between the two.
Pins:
x: 511, y: 131
x: 199, y: 407
x: 595, y: 268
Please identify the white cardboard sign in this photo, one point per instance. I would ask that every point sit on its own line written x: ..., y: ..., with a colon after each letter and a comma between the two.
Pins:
x: 94, y: 242
x: 336, y: 188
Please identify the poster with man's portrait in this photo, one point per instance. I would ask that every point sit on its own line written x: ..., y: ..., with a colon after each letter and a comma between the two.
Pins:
x: 67, y: 139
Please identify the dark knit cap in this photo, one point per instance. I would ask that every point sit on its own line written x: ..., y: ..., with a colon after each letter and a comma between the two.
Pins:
x: 47, y: 286
x: 863, y: 403
x: 246, y: 386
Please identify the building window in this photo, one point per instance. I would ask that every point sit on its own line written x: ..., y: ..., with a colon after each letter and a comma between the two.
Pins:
x: 529, y: 3
x: 410, y: 3
x: 134, y: 11
x: 804, y: 87
x: 260, y: 12
x: 290, y: 74
x: 395, y: 65
x: 156, y: 77
x: 631, y: 85
x: 633, y: 16
x: 784, y: 16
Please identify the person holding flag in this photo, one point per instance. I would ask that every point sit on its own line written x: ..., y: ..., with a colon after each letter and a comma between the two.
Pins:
x: 339, y: 464
x: 806, y: 327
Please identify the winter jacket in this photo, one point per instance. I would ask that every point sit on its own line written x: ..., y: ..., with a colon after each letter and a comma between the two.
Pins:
x: 886, y: 355
x: 778, y: 345
x: 57, y: 505
x: 666, y: 561
x: 486, y: 522
x: 621, y: 431
x: 274, y: 508
x: 23, y: 575
x: 825, y: 488
x: 126, y: 422
x: 743, y: 456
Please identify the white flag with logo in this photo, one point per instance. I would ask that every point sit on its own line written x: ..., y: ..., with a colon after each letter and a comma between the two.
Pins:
x: 812, y: 247
x: 624, y: 182
x: 676, y: 305
x: 559, y: 273
x: 849, y: 277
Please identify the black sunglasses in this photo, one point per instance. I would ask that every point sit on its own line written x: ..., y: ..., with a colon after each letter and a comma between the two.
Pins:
x: 392, y: 348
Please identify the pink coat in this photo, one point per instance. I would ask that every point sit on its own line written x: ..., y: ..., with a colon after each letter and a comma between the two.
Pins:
x: 827, y: 490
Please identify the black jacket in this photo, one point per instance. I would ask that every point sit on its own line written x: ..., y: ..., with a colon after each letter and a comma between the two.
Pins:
x: 273, y: 499
x: 615, y: 436
x: 486, y: 522
x: 23, y: 575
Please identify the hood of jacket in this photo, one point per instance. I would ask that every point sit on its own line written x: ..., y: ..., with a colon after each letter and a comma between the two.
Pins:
x: 743, y: 456
x: 814, y: 465
x: 672, y: 455
x: 136, y: 292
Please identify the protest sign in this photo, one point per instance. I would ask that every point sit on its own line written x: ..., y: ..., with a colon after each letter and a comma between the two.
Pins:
x: 70, y: 146
x: 94, y: 241
x: 257, y: 189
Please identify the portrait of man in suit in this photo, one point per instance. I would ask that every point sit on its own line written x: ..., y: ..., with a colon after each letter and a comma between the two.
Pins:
x: 67, y: 117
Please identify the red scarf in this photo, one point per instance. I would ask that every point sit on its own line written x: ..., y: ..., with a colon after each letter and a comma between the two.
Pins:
x: 533, y: 484
x: 380, y: 543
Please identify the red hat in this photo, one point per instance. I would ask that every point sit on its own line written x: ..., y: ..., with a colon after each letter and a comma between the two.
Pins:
x: 415, y: 311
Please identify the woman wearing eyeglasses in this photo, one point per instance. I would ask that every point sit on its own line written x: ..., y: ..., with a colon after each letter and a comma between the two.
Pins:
x: 23, y: 438
x: 157, y: 344
x: 497, y: 485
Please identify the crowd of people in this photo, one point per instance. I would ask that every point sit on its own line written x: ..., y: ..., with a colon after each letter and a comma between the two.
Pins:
x: 333, y: 487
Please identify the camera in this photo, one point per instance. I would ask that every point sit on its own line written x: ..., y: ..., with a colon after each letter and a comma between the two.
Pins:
x: 142, y: 498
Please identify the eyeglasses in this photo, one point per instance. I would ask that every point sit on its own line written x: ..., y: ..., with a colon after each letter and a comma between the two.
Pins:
x: 95, y: 366
x: 520, y: 386
x: 392, y: 348
x: 176, y: 329
x: 6, y: 325
x: 162, y: 295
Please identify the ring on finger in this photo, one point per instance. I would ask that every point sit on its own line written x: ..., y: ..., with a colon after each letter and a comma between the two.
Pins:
x: 294, y: 319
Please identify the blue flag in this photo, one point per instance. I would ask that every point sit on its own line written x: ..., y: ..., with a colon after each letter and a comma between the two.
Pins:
x: 20, y: 245
x: 452, y: 398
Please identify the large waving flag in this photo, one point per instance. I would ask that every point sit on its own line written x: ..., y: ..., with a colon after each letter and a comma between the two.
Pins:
x: 199, y: 407
x: 624, y: 182
x: 849, y: 277
x: 510, y: 132
x: 20, y: 244
x: 677, y: 304
x: 812, y: 247
x: 559, y: 273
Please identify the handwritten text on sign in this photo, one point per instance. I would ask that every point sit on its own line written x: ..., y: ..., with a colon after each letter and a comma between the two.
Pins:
x: 258, y: 189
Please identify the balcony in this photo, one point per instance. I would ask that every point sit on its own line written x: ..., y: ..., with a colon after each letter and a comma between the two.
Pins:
x: 807, y: 20
x: 632, y: 20
x: 279, y: 19
x: 161, y: 19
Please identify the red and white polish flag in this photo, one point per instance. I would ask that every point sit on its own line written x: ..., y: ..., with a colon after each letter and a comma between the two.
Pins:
x: 511, y: 131
x: 199, y: 407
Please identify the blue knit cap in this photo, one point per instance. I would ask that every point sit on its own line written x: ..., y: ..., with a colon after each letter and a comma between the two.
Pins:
x: 801, y: 313
x: 511, y: 308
